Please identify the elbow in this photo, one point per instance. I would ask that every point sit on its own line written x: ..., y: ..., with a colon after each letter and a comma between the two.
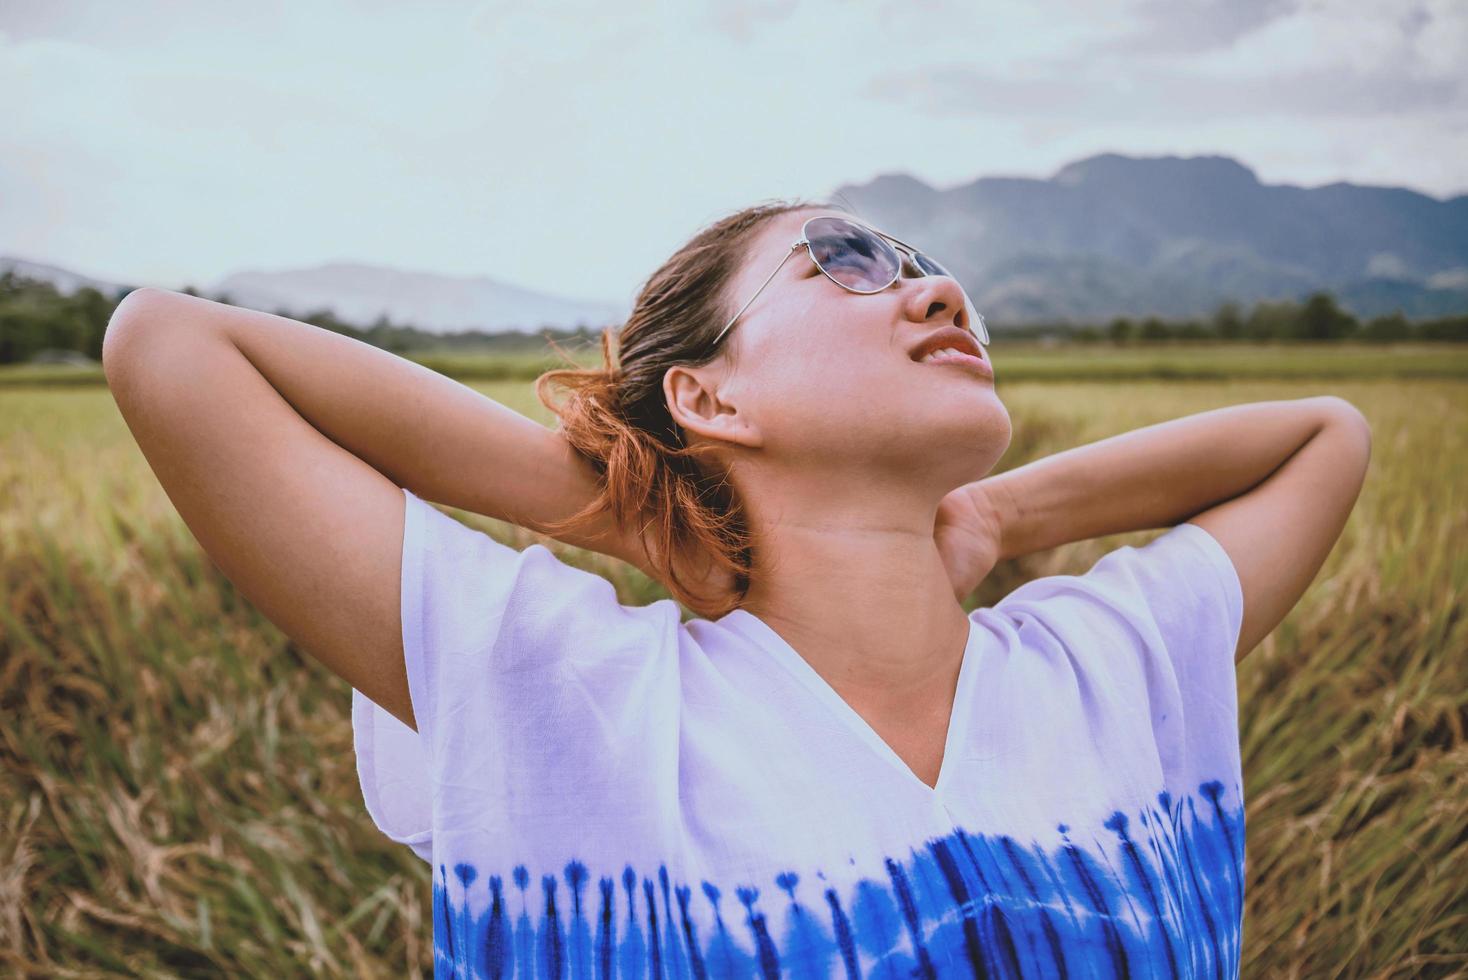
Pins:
x: 136, y: 308
x: 1350, y: 414
x: 1337, y: 411
x: 1346, y: 417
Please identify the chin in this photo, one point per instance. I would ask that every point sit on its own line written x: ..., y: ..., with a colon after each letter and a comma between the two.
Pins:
x: 984, y: 437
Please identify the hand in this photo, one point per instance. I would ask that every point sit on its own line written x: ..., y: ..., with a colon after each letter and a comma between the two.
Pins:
x: 968, y: 532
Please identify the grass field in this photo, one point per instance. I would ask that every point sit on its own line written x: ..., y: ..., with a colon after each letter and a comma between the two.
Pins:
x: 1013, y: 362
x: 177, y: 786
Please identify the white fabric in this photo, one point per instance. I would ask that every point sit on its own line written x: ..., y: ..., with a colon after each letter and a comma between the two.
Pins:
x: 602, y: 790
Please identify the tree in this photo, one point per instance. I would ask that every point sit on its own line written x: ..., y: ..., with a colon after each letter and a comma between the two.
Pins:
x: 1322, y: 319
x: 1272, y: 321
x: 1227, y: 322
x: 1193, y: 330
x: 93, y: 311
x: 1121, y: 330
x: 1387, y: 329
x: 1154, y: 329
x: 1450, y: 328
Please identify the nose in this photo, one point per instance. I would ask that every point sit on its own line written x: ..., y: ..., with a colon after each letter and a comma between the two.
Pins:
x: 936, y: 297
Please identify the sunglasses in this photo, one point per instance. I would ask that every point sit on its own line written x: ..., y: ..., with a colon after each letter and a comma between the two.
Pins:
x: 863, y: 260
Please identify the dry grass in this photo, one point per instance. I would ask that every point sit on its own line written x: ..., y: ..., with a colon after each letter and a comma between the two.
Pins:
x: 178, y: 795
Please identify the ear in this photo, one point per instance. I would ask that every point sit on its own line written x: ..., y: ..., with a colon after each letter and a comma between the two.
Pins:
x: 695, y: 404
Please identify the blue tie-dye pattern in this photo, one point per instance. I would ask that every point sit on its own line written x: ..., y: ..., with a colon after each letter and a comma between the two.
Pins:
x: 1169, y: 904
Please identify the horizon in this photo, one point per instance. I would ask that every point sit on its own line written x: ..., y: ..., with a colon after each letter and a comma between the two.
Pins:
x: 356, y: 263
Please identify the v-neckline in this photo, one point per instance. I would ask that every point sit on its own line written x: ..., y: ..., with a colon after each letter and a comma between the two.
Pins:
x: 752, y: 627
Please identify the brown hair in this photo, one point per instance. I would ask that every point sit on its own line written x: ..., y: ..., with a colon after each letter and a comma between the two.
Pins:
x: 617, y: 416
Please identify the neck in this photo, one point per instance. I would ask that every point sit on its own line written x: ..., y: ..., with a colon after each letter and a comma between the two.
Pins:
x: 864, y: 597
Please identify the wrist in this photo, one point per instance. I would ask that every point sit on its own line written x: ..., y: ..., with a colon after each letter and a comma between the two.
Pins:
x: 1155, y: 476
x: 994, y: 496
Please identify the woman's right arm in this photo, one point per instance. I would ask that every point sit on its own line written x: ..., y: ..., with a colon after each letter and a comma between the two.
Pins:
x: 422, y: 430
x: 283, y: 446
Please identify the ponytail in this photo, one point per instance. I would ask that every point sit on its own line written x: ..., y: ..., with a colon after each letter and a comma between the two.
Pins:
x: 616, y: 417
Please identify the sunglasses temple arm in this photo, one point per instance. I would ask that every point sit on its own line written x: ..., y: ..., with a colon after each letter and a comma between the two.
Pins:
x: 761, y: 289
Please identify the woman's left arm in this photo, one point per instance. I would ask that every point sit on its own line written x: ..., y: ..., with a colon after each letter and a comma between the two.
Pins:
x: 1273, y: 482
x: 1279, y: 534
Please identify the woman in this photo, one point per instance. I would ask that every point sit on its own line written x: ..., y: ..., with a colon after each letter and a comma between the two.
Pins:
x: 831, y: 769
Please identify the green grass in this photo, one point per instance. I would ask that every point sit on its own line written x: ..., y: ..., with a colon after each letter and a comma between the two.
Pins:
x: 1012, y: 362
x: 1219, y: 362
x: 177, y: 786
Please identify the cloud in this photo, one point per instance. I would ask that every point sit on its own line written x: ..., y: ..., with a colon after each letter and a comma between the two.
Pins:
x: 1154, y: 95
x: 1190, y: 26
x: 1310, y: 59
x: 744, y: 20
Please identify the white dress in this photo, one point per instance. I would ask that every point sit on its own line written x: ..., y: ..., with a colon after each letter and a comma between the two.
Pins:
x: 604, y: 791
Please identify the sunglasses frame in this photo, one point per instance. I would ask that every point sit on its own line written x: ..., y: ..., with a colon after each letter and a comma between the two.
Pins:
x: 904, y: 252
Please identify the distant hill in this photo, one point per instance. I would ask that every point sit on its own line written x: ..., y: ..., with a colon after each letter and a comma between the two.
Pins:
x: 1106, y: 236
x: 64, y: 280
x: 360, y: 293
x: 1169, y: 236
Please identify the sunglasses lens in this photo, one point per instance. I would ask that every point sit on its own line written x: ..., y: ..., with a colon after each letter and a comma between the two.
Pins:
x: 864, y: 261
x: 929, y: 265
x: 851, y: 255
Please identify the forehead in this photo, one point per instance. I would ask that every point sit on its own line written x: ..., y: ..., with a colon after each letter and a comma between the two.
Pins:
x: 780, y: 231
x: 790, y: 223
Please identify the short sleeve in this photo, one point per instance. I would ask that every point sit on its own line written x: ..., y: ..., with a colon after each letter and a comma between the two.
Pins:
x: 527, y: 678
x: 1178, y: 595
x: 1155, y: 627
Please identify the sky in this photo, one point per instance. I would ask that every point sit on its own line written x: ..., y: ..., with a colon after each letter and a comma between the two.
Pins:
x: 553, y: 146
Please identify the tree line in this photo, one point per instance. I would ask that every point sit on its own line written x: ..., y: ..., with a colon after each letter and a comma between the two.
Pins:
x: 1319, y: 319
x: 39, y: 322
x: 37, y: 319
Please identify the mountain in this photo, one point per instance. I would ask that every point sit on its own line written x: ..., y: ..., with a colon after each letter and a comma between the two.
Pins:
x: 64, y: 280
x: 1106, y: 236
x: 1112, y: 235
x: 360, y: 293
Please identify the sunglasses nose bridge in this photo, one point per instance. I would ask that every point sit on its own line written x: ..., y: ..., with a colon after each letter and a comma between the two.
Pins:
x: 907, y: 266
x: 974, y: 320
x: 907, y: 263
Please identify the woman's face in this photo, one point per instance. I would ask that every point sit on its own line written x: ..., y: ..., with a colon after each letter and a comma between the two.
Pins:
x: 824, y: 377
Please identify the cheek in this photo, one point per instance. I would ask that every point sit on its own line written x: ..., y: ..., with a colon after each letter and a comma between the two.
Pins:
x: 816, y: 405
x: 825, y: 379
x: 840, y: 381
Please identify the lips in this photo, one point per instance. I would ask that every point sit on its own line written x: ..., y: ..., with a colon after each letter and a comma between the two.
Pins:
x: 966, y: 361
x: 954, y: 337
